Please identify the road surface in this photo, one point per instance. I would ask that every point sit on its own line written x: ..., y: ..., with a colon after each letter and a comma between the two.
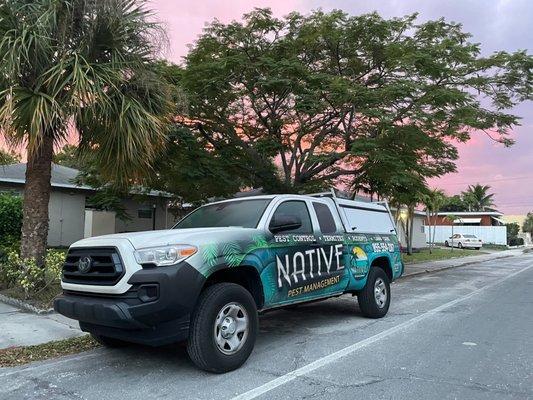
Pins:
x: 463, y: 333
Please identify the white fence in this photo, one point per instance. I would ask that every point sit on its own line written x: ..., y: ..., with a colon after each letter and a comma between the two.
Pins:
x: 488, y: 234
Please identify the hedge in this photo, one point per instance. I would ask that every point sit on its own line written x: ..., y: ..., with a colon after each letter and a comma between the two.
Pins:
x: 10, y: 218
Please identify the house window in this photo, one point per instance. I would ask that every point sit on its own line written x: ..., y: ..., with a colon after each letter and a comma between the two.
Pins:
x: 144, y: 212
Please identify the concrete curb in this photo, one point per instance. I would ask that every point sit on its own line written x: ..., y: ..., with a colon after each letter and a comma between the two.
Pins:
x: 438, y: 269
x: 25, y: 306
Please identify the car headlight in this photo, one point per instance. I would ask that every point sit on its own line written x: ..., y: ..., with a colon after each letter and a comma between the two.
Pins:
x: 164, y: 255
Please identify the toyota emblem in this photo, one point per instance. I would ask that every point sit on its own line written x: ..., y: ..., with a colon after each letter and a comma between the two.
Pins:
x: 84, y: 264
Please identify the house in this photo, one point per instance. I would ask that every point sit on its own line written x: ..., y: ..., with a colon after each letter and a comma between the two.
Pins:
x: 70, y: 217
x: 519, y: 219
x: 469, y: 218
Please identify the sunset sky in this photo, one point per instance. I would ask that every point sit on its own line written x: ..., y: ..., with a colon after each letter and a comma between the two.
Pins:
x: 497, y: 25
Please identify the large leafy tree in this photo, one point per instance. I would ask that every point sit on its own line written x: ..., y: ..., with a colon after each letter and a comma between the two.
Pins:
x: 79, y: 66
x: 305, y: 90
x: 190, y: 169
x: 190, y: 166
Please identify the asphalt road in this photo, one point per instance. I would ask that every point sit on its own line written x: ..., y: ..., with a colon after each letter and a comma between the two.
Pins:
x: 464, y: 333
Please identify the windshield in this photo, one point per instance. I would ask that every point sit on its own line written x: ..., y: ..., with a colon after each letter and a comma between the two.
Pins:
x: 470, y: 236
x: 242, y: 213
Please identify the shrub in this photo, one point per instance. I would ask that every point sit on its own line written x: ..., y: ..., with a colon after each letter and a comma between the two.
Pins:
x: 25, y: 274
x: 10, y: 218
x: 516, y: 242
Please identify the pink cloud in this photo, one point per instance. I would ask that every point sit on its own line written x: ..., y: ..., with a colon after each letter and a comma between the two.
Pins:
x: 186, y: 19
x: 506, y: 170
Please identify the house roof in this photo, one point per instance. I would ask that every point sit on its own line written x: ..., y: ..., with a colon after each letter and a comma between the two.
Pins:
x: 62, y: 177
x: 472, y: 213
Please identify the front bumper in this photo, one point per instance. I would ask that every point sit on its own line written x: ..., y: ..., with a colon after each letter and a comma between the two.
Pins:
x: 155, y: 311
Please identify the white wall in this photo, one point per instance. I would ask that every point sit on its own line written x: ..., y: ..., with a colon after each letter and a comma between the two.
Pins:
x: 488, y: 234
x: 99, y: 223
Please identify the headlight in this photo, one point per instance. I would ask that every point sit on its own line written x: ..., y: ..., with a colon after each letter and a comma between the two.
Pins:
x: 164, y: 255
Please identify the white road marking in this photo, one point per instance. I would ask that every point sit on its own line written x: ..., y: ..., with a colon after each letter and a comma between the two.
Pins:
x: 469, y: 344
x: 321, y: 362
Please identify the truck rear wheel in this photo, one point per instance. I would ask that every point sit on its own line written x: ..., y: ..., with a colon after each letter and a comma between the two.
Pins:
x: 223, y: 328
x: 374, y: 299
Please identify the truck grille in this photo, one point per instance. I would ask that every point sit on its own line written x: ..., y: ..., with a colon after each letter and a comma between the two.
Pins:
x: 93, y: 266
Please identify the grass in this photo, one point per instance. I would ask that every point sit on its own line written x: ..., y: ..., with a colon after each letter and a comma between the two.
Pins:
x: 438, y: 254
x: 13, y: 356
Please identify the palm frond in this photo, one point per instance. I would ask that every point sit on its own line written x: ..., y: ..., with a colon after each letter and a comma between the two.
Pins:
x: 86, y: 62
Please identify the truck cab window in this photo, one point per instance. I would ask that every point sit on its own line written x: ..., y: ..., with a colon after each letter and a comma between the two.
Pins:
x: 325, y: 219
x: 298, y: 209
x: 242, y: 213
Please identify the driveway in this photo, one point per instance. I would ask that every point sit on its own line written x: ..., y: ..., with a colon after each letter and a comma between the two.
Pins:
x: 21, y: 328
x: 460, y: 333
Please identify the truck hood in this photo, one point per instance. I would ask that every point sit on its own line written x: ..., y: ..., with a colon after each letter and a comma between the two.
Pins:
x: 193, y: 236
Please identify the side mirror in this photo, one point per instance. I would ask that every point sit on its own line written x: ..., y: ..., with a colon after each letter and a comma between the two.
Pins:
x: 283, y: 223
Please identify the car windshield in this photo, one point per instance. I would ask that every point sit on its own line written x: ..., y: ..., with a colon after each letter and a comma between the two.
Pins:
x: 242, y: 213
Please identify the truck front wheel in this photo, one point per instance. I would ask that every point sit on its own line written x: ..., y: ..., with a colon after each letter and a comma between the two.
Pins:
x: 374, y: 299
x: 223, y: 328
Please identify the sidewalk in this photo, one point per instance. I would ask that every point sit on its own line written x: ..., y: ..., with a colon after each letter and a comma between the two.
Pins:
x: 434, y: 266
x: 20, y: 328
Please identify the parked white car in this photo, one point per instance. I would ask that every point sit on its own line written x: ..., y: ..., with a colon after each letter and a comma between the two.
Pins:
x: 461, y: 240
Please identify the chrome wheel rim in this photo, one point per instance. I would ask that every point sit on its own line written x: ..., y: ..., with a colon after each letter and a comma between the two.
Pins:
x: 380, y: 293
x: 231, y: 328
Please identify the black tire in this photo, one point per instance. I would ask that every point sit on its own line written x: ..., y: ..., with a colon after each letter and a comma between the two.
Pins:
x: 367, y: 300
x: 109, y: 341
x: 460, y: 245
x: 477, y: 248
x: 202, y: 345
x: 446, y: 244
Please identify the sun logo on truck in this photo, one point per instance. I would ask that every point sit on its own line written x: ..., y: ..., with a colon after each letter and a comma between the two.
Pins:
x: 358, y: 262
x: 359, y: 254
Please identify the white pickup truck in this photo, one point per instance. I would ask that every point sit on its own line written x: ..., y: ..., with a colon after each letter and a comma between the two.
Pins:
x: 206, y: 279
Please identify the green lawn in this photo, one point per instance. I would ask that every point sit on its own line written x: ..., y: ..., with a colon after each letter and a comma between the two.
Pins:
x: 438, y: 254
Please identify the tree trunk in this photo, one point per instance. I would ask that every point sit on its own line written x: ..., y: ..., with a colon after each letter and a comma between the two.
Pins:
x: 411, y: 222
x: 428, y: 217
x: 434, y: 226
x: 36, y: 198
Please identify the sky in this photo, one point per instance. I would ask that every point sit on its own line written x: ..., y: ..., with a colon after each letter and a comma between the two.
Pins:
x: 497, y: 25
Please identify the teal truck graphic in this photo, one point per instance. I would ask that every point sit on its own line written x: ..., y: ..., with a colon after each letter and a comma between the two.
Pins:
x: 206, y: 279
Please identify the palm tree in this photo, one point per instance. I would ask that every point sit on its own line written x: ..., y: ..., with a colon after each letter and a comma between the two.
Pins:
x: 452, y: 219
x: 478, y: 198
x: 433, y: 201
x: 79, y: 66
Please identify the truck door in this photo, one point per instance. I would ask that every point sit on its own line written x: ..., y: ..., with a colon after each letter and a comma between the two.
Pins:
x: 290, y: 268
x: 333, y: 276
